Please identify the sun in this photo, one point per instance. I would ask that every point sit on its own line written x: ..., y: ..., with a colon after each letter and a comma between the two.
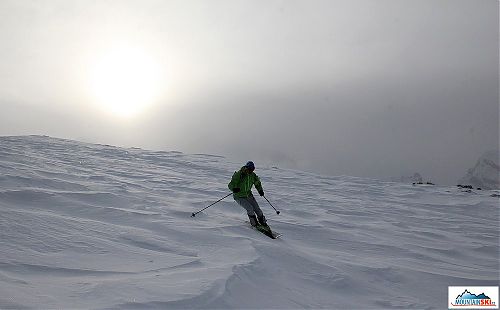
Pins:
x: 124, y: 81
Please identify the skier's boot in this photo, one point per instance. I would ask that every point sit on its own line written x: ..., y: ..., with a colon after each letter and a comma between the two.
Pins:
x: 253, y: 220
x: 262, y: 221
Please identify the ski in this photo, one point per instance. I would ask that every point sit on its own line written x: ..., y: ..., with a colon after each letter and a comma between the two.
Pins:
x: 267, y: 231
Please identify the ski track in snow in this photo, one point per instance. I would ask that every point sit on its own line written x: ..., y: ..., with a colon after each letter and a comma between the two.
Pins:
x: 96, y: 226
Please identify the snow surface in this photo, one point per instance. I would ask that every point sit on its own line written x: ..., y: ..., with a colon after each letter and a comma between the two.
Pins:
x: 96, y: 226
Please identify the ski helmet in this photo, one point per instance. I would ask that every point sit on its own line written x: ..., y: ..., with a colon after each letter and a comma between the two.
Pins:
x: 250, y: 165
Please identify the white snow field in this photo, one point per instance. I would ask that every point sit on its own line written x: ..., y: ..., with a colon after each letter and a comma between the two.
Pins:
x: 93, y: 226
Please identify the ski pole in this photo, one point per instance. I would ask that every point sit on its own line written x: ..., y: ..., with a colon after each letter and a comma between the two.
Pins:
x: 277, y: 212
x: 194, y: 213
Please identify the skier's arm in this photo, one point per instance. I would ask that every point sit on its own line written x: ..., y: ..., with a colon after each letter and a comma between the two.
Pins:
x: 234, y: 181
x: 258, y: 185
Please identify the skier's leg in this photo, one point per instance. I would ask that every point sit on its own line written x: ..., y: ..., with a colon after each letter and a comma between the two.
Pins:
x: 249, y: 208
x: 253, y: 220
x: 246, y: 204
x: 254, y: 205
x: 257, y: 210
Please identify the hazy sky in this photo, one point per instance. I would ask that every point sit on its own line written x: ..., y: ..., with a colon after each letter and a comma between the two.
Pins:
x: 366, y: 88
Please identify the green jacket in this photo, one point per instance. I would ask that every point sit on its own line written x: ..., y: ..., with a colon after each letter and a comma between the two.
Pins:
x: 244, y: 181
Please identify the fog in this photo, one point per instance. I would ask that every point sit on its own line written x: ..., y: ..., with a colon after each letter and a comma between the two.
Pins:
x: 365, y: 88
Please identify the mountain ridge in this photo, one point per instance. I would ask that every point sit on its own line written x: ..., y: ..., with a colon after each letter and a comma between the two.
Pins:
x: 485, y: 173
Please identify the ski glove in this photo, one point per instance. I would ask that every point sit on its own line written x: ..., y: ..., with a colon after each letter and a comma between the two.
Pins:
x: 236, y: 190
x: 261, y: 192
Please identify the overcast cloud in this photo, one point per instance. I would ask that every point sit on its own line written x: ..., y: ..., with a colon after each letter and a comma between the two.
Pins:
x: 365, y: 88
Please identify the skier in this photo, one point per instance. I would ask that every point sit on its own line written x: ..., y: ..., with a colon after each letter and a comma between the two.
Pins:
x: 241, y: 186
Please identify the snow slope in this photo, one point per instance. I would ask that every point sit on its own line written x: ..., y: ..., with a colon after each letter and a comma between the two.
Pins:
x: 95, y: 226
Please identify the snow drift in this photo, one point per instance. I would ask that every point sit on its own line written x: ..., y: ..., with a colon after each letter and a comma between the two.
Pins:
x: 96, y: 226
